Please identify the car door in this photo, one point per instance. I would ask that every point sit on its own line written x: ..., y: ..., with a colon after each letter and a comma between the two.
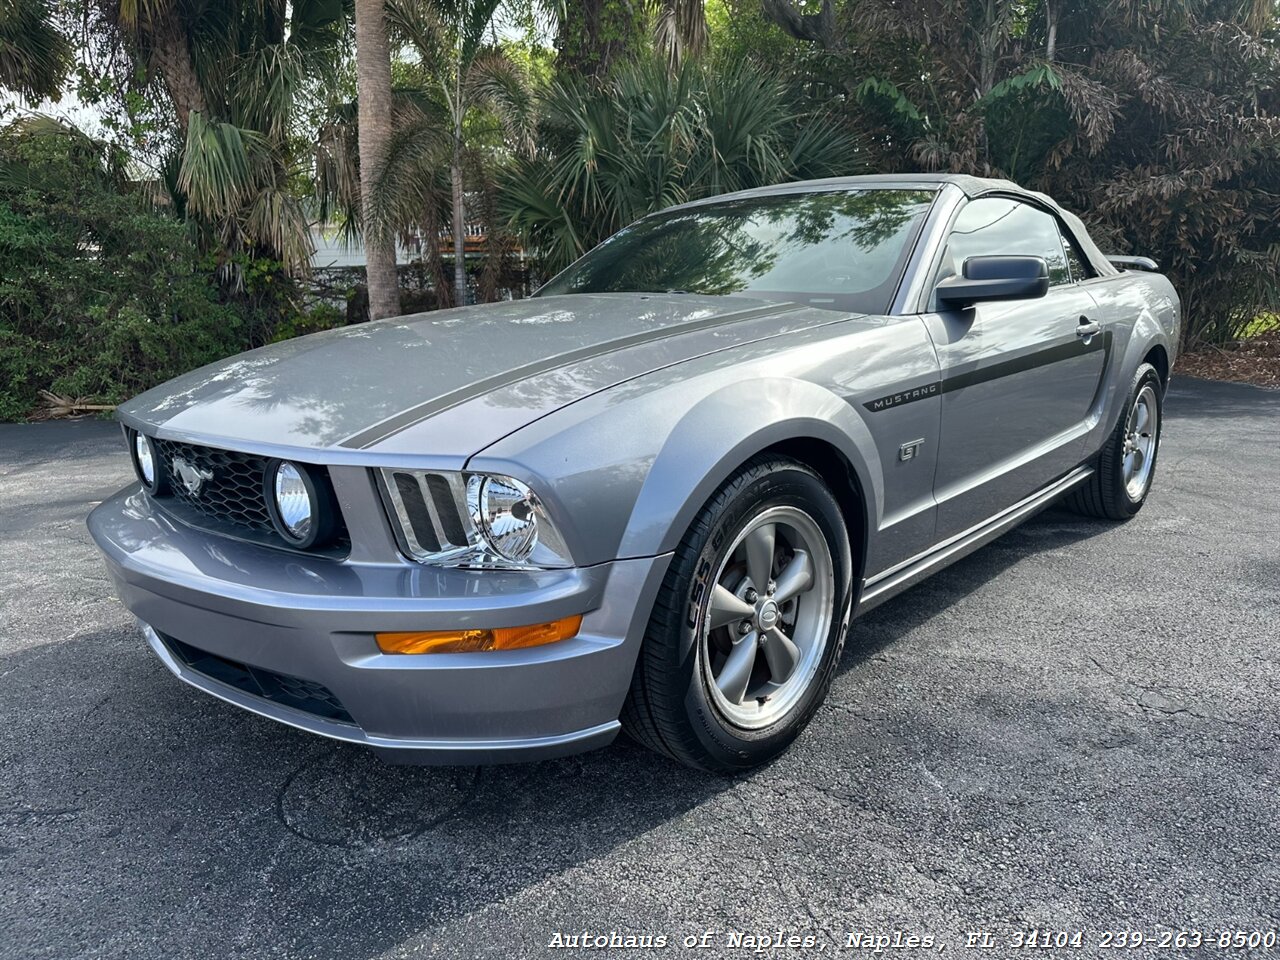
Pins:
x: 1018, y: 377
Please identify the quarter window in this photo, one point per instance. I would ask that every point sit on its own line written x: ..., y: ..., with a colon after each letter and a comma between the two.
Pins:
x: 1076, y: 262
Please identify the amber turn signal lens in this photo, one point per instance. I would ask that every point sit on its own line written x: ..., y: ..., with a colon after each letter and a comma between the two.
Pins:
x: 469, y: 641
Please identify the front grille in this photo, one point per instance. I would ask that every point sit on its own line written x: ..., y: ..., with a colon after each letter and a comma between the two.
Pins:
x: 305, y: 695
x: 232, y: 494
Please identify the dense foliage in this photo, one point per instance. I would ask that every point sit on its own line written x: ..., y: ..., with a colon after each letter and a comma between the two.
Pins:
x: 650, y: 136
x: 243, y: 83
x: 1157, y: 122
x: 100, y: 296
x: 34, y: 56
x: 544, y: 126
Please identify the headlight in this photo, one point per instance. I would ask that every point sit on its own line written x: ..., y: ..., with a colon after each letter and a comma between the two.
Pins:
x: 504, y: 511
x: 472, y: 520
x: 146, y: 461
x: 301, y: 509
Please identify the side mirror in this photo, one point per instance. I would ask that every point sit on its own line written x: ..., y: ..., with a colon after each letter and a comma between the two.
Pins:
x: 995, y: 278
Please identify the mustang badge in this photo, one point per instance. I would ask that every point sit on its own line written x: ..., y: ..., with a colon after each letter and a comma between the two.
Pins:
x: 191, y: 476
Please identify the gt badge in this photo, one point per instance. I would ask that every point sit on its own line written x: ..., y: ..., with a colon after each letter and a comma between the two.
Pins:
x: 909, y: 449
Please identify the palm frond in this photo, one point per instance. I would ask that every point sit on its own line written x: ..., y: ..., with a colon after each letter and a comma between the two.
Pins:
x: 274, y: 219
x: 34, y: 55
x: 473, y: 19
x: 680, y: 29
x: 423, y: 26
x: 415, y: 155
x: 497, y: 83
x: 222, y: 166
x: 337, y: 167
x: 653, y: 135
x: 269, y: 83
x: 134, y: 12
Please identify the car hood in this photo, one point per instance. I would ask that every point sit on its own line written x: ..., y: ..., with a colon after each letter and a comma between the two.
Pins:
x: 359, y: 387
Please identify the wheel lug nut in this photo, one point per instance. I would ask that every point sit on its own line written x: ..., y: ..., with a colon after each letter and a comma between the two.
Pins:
x: 752, y: 596
x: 772, y: 587
x: 744, y: 628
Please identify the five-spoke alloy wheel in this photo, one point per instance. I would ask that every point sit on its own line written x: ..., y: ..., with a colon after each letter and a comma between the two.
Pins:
x: 1141, y: 431
x: 769, y: 618
x: 749, y: 623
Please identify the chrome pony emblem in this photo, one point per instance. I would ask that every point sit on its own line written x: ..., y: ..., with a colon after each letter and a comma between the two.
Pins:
x: 191, y: 476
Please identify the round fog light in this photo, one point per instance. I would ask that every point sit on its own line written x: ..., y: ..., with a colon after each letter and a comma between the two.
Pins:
x: 293, y: 502
x: 301, y: 506
x: 146, y: 463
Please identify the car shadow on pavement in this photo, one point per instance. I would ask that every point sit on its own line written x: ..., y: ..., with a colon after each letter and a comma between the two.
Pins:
x: 125, y: 787
x: 1054, y: 529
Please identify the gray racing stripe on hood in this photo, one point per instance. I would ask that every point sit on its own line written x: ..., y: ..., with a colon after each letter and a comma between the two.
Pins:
x: 416, y: 414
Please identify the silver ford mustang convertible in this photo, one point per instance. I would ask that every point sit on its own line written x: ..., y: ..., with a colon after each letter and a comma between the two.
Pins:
x: 651, y: 497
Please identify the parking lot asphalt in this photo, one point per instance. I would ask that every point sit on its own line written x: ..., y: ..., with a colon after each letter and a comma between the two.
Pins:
x: 1074, y: 729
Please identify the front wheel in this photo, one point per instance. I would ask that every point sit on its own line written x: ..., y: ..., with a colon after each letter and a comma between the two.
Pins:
x: 748, y: 626
x: 1126, y: 465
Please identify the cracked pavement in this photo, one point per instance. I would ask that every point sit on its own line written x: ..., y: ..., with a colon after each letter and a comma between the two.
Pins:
x: 1075, y: 728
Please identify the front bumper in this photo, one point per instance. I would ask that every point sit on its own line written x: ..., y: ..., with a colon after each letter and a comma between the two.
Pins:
x: 312, y: 620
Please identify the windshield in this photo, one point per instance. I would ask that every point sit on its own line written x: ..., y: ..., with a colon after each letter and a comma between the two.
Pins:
x: 842, y: 250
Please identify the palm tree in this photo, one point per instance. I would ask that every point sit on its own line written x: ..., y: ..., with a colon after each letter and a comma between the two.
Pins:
x: 434, y: 165
x: 464, y: 76
x: 373, y: 73
x: 594, y: 35
x: 679, y: 28
x: 34, y: 55
x: 651, y: 136
x: 239, y: 74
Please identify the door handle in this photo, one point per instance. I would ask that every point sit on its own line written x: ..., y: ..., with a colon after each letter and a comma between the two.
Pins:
x: 1088, y: 328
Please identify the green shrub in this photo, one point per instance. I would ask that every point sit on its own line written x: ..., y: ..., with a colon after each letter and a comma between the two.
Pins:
x: 101, y: 296
x: 322, y: 316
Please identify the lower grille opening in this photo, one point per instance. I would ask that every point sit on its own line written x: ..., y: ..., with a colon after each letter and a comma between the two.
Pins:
x: 305, y: 695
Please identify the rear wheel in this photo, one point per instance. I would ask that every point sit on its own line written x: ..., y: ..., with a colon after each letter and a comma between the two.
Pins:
x: 749, y: 623
x: 1126, y: 465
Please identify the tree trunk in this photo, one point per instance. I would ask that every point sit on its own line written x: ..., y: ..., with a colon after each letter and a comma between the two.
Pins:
x: 1051, y: 42
x: 988, y: 40
x: 373, y: 86
x: 459, y: 224
x: 171, y: 57
x: 431, y: 255
x: 819, y: 28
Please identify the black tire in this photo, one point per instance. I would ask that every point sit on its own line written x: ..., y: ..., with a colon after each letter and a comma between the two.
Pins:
x: 1105, y: 495
x: 670, y: 708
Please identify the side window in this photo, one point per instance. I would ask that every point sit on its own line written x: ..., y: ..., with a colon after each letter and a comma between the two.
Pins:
x: 997, y: 226
x: 1076, y: 262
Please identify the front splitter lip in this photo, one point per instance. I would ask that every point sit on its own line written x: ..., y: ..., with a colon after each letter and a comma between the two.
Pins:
x: 425, y: 750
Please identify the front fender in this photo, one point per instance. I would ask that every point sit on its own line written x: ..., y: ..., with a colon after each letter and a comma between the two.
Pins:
x: 744, y: 418
x: 624, y: 472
